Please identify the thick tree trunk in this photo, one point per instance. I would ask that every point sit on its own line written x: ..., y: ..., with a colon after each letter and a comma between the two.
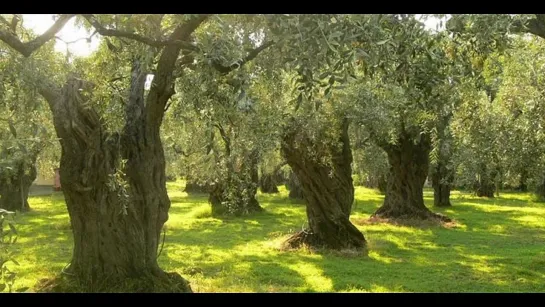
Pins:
x: 328, y: 191
x: 115, y: 185
x: 294, y: 187
x: 484, y: 185
x: 237, y: 195
x: 267, y: 184
x: 14, y: 192
x: 408, y: 171
x: 441, y: 180
x: 117, y: 211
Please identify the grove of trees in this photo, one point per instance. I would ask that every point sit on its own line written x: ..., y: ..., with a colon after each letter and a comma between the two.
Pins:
x: 238, y: 105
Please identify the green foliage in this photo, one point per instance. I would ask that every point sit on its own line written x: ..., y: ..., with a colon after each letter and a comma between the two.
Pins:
x: 8, y: 237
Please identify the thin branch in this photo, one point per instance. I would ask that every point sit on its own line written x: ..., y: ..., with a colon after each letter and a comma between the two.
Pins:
x: 77, y: 40
x: 26, y: 49
x: 251, y: 55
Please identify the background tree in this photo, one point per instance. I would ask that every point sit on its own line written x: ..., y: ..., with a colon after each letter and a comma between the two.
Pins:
x: 24, y: 130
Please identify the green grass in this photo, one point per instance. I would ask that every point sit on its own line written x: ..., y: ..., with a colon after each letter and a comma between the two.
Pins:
x: 498, y: 245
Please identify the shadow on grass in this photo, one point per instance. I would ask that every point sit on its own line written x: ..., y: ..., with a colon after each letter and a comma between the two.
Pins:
x: 498, y: 247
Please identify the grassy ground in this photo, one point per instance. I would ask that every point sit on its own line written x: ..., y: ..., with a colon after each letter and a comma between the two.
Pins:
x: 497, y: 246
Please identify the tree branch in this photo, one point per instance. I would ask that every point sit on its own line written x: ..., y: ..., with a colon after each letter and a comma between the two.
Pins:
x: 77, y: 40
x: 225, y: 138
x: 102, y: 30
x: 251, y: 55
x: 162, y: 86
x: 26, y: 49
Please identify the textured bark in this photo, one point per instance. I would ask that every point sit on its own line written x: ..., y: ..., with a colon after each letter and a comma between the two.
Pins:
x: 117, y: 223
x: 237, y: 195
x: 441, y: 180
x: 409, y: 165
x: 328, y: 191
x: 294, y: 187
x: 14, y: 191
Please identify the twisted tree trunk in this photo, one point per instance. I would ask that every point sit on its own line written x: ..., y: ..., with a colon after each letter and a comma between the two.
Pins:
x: 117, y: 210
x: 327, y: 189
x: 408, y: 171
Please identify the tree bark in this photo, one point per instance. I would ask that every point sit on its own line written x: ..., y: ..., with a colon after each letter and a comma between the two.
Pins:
x: 327, y: 189
x: 14, y: 190
x: 409, y: 165
x: 484, y: 185
x: 441, y: 180
x: 115, y: 184
x: 237, y: 195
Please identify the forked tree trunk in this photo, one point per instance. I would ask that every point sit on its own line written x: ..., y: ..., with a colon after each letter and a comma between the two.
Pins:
x: 116, y: 221
x: 409, y: 164
x: 328, y: 191
x: 237, y: 195
x: 441, y: 180
x: 14, y: 191
x: 117, y: 211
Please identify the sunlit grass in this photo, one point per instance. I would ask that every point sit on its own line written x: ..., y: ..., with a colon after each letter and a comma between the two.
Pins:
x: 498, y: 245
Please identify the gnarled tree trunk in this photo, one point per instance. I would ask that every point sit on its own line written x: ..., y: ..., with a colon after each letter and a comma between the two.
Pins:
x: 409, y: 163
x: 14, y: 189
x: 117, y: 210
x: 441, y: 180
x: 237, y: 195
x: 327, y: 189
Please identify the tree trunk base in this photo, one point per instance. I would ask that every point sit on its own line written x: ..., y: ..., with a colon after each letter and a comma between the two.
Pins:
x: 391, y: 214
x: 305, y: 238
x: 163, y: 282
x: 234, y: 206
x: 443, y: 204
